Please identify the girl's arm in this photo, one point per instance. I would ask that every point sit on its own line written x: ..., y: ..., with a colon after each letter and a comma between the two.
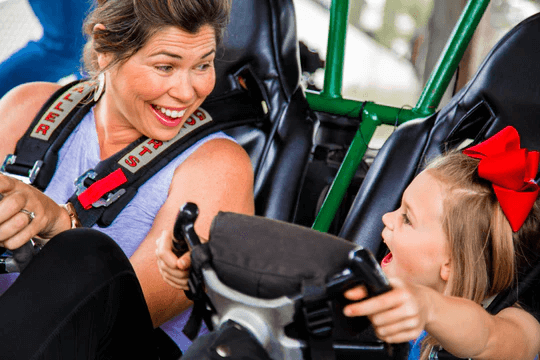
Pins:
x: 465, y: 329
x: 462, y: 327
x: 216, y: 177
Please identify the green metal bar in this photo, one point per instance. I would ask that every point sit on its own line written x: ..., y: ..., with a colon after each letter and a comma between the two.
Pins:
x: 386, y: 114
x: 335, y: 53
x: 346, y: 172
x: 374, y: 115
x: 451, y: 56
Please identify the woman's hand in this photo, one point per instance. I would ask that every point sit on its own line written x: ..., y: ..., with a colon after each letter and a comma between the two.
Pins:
x: 397, y: 316
x: 173, y: 269
x: 25, y: 212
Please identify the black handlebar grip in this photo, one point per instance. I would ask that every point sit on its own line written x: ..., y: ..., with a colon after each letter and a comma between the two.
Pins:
x: 185, y: 237
x: 24, y: 255
x: 364, y: 265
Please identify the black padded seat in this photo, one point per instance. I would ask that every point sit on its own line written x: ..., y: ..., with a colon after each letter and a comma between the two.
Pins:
x: 504, y: 91
x: 262, y: 35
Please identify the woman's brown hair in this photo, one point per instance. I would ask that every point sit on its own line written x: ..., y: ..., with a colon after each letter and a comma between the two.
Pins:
x: 130, y: 23
x: 486, y: 254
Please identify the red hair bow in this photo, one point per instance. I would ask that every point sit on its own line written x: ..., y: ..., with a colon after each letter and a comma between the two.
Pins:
x: 511, y: 170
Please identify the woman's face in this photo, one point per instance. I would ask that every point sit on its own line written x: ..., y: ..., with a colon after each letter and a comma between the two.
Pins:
x: 162, y: 84
x: 414, y: 234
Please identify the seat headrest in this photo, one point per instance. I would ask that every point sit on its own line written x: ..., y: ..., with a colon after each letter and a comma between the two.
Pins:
x: 263, y: 34
x: 507, y: 85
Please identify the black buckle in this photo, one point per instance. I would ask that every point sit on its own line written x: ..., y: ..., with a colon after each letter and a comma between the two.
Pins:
x: 30, y: 174
x: 319, y: 319
x: 15, y: 261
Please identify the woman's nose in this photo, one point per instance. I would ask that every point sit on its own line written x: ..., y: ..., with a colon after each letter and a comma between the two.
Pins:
x: 182, y: 89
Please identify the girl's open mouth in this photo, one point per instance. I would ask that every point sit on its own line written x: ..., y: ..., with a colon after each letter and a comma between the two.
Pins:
x: 387, y: 259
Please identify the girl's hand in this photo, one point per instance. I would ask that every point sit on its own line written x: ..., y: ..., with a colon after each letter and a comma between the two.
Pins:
x: 25, y: 212
x: 174, y: 270
x: 397, y: 316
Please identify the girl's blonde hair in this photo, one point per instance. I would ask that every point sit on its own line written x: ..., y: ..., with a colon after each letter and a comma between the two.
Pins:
x: 486, y: 254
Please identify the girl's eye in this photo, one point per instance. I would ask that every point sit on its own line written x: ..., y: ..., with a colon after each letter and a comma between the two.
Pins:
x: 406, y: 219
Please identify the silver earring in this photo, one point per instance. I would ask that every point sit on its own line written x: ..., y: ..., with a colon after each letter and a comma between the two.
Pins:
x: 100, y: 88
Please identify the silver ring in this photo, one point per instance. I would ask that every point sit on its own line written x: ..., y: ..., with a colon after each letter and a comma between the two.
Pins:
x: 30, y: 214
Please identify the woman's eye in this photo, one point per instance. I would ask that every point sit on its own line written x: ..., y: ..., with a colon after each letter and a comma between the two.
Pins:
x: 406, y: 219
x: 203, y: 67
x: 164, y: 68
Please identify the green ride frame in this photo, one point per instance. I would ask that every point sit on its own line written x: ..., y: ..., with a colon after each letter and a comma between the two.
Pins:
x: 329, y: 100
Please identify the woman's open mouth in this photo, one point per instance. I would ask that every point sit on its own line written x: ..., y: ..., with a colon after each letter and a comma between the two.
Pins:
x: 387, y: 259
x: 167, y: 116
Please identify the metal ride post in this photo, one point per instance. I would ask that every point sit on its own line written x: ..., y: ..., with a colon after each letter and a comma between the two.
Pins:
x: 330, y: 100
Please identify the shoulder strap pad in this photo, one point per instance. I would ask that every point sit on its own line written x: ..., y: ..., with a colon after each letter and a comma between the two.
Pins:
x: 36, y: 153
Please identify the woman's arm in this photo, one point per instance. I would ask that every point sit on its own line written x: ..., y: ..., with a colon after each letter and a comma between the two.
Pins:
x: 17, y: 110
x: 462, y: 327
x: 217, y: 177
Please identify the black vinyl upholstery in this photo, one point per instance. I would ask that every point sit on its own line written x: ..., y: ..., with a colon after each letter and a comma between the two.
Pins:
x: 504, y: 91
x: 262, y: 34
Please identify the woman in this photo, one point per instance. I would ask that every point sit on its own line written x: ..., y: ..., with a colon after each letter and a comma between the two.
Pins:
x: 155, y: 63
x: 466, y: 226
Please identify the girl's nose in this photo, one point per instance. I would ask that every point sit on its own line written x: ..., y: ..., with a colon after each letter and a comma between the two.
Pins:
x: 387, y: 220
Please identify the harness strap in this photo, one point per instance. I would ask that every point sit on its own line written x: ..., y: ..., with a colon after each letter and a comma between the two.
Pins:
x: 104, y: 191
x: 318, y: 318
x: 36, y: 155
x: 202, y: 306
x: 99, y: 191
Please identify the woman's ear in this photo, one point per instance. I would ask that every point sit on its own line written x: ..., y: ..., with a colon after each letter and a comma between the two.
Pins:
x: 103, y: 58
x: 98, y: 27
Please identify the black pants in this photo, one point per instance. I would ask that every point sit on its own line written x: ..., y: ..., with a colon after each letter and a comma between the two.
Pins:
x: 79, y: 298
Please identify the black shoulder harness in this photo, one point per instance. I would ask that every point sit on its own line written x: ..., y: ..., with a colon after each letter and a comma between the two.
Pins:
x: 104, y: 191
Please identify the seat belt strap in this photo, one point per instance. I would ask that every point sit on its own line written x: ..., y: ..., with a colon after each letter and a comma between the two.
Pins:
x: 104, y: 191
x: 318, y: 318
x: 145, y: 157
x: 35, y: 157
x: 131, y: 168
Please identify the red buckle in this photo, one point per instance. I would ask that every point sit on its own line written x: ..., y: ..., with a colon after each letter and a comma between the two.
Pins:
x: 94, y: 193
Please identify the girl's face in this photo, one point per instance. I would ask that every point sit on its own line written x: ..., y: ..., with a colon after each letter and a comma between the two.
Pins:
x: 162, y: 84
x: 414, y: 234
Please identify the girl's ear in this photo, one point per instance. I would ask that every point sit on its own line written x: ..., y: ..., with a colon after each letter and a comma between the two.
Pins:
x: 446, y: 269
x: 446, y: 277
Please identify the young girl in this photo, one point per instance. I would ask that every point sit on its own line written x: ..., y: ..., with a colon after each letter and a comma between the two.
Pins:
x: 465, y: 227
